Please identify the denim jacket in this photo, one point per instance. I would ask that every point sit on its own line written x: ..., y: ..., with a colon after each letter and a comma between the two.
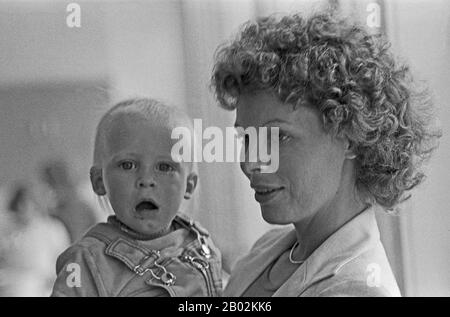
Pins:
x: 108, y: 262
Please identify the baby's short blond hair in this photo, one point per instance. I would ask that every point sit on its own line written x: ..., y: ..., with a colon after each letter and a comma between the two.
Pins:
x: 156, y: 112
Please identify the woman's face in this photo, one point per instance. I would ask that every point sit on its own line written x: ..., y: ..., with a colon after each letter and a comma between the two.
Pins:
x: 310, y: 160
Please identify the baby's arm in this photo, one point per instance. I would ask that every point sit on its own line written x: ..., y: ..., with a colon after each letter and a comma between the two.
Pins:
x: 78, y: 275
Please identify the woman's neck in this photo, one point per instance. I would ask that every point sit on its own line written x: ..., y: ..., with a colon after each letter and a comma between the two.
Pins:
x: 313, y: 231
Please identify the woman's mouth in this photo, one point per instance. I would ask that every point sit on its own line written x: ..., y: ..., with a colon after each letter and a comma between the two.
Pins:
x: 265, y: 195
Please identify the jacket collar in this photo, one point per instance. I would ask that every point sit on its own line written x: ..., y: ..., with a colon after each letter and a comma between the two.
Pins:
x: 352, y: 239
x: 259, y: 258
x: 134, y: 253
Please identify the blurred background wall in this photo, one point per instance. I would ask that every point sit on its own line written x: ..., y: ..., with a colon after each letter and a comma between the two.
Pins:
x: 420, y: 32
x: 56, y: 82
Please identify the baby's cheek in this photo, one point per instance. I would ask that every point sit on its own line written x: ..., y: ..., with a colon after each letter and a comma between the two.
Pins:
x: 173, y: 188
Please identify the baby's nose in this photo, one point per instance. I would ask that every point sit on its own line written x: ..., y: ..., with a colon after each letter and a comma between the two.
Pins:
x: 146, y: 182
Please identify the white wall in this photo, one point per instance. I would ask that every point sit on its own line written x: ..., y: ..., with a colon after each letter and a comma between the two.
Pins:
x: 420, y: 31
x: 145, y: 49
x: 52, y: 86
x: 38, y: 47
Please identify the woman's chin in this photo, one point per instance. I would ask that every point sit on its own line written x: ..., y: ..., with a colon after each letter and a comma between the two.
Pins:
x: 273, y: 215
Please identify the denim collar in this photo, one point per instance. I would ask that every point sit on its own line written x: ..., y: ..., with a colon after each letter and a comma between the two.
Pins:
x: 134, y: 253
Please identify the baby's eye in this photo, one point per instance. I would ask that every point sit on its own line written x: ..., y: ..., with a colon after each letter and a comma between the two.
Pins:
x: 127, y: 165
x: 165, y: 167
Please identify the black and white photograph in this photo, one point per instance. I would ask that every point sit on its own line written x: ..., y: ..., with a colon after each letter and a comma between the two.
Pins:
x: 233, y: 149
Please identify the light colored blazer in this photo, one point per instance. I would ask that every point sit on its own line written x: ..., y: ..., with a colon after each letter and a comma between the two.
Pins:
x: 351, y: 262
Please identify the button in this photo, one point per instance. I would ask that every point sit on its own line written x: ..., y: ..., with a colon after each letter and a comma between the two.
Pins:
x: 205, y: 251
x: 168, y: 278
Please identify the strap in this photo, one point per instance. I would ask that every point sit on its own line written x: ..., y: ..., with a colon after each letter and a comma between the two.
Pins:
x: 188, y: 223
x: 137, y: 258
x: 199, y: 231
x: 140, y: 260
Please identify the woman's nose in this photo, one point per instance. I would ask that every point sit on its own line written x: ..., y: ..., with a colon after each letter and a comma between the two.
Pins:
x: 250, y: 168
x: 251, y: 163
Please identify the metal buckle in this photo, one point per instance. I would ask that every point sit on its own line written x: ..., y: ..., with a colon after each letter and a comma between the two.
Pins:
x: 141, y: 269
x: 204, y: 250
x: 166, y: 277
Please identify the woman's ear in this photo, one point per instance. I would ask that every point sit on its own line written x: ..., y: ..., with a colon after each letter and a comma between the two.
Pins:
x: 349, y: 146
x: 97, y: 181
x: 191, y: 184
x: 349, y: 150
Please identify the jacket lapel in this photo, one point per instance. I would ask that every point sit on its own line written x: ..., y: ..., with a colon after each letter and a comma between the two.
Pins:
x: 265, y: 251
x: 350, y: 241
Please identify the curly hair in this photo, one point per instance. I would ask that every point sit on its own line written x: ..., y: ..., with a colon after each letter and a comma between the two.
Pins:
x: 352, y: 78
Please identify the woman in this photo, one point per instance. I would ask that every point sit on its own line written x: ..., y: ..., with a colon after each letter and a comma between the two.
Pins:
x: 351, y: 139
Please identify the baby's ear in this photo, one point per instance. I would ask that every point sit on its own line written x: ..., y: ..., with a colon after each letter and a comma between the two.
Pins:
x: 97, y: 181
x: 191, y: 184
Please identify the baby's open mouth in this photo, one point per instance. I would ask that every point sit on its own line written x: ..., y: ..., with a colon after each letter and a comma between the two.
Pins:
x: 146, y: 205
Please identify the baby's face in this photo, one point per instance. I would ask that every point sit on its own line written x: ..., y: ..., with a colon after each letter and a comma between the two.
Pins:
x: 144, y: 185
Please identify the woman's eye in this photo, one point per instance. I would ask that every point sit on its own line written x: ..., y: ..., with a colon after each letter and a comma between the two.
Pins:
x: 246, y: 141
x: 127, y: 165
x: 284, y: 137
x: 164, y: 167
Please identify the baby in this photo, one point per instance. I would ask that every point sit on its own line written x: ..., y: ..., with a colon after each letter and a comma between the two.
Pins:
x: 147, y: 248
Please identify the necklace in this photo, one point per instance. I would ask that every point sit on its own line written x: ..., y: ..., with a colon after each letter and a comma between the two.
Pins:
x: 292, y: 251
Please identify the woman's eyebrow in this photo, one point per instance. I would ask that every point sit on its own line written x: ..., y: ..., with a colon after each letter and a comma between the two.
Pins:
x: 272, y: 121
x: 294, y: 128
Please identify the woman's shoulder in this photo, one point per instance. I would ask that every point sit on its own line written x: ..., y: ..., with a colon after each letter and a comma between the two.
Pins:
x: 352, y: 288
x: 366, y: 274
